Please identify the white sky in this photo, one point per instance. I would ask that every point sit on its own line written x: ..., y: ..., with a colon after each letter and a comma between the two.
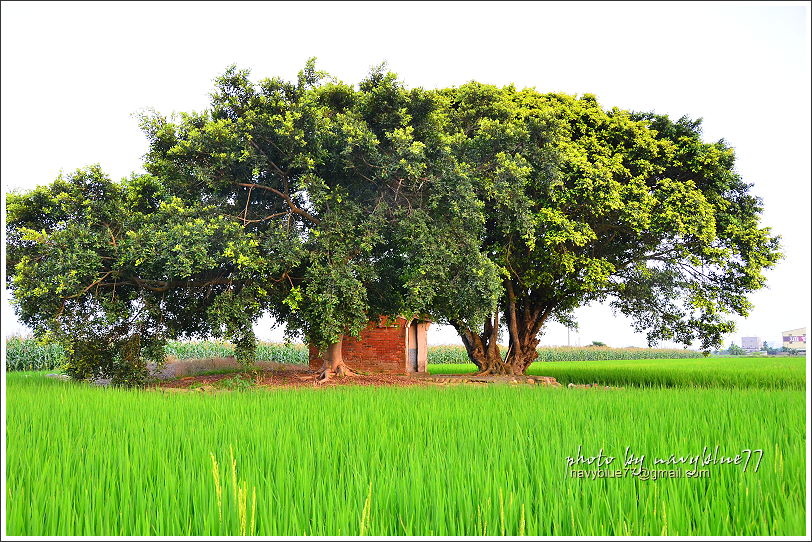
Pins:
x: 74, y: 73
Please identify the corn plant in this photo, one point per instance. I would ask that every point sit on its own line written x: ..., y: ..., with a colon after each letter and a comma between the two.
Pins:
x: 31, y: 355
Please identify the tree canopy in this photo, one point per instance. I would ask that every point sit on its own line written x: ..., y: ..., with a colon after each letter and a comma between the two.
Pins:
x: 584, y: 204
x: 297, y: 196
x: 326, y: 205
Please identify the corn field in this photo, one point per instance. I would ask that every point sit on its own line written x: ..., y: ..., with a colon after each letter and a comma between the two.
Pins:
x: 31, y: 355
x: 276, y: 352
x: 452, y: 354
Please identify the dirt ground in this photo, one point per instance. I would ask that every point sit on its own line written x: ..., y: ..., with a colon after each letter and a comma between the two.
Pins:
x: 186, y: 375
x: 282, y: 376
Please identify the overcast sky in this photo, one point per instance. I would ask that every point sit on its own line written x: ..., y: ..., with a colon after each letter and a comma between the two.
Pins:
x: 73, y: 75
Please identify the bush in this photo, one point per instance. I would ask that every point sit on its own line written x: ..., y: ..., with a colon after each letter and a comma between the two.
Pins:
x: 122, y: 359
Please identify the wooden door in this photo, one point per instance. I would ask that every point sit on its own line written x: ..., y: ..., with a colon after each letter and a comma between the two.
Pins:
x: 411, y: 361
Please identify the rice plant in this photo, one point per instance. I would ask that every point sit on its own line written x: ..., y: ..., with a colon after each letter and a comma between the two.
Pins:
x: 434, y: 461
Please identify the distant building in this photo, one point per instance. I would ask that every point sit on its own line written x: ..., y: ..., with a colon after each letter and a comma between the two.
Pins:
x: 795, y: 338
x: 751, y: 344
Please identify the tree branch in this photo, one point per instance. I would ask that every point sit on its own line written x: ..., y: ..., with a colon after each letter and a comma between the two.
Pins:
x: 293, y: 207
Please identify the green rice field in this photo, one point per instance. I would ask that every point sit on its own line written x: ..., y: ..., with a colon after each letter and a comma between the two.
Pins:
x: 456, y: 460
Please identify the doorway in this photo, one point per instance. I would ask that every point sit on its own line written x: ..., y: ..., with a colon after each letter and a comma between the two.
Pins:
x: 411, y: 360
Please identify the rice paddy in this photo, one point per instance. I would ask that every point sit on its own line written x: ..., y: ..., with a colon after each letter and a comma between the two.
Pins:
x: 457, y: 460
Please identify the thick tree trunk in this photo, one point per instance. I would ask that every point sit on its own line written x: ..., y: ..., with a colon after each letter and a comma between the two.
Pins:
x: 498, y: 366
x: 333, y: 364
x: 524, y: 320
x: 524, y: 317
x: 483, y: 349
x: 522, y: 353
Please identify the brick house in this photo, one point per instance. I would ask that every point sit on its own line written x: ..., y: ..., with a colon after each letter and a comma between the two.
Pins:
x: 393, y: 347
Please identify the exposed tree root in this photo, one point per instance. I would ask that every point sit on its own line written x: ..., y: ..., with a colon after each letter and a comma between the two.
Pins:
x: 499, y: 371
x: 339, y: 370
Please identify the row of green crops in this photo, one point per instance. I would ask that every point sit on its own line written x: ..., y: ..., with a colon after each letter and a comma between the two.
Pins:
x: 277, y: 352
x: 767, y: 373
x: 31, y: 355
x: 449, y: 354
x: 432, y: 461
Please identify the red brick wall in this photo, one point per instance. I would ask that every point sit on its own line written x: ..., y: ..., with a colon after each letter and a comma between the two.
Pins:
x: 382, y: 349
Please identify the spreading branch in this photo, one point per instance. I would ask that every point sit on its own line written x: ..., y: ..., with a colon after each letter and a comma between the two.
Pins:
x: 293, y: 207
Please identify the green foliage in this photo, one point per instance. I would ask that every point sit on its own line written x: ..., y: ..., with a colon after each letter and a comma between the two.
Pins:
x: 735, y: 350
x: 235, y: 383
x: 325, y: 205
x: 121, y: 360
x: 292, y: 353
x: 118, y: 474
x: 28, y: 354
x: 584, y: 204
x: 107, y: 270
x: 791, y: 351
x: 283, y: 353
x: 199, y: 349
x: 328, y: 178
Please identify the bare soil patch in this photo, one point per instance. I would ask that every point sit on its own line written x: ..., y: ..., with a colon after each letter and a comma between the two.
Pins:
x: 285, y: 376
x: 184, y: 375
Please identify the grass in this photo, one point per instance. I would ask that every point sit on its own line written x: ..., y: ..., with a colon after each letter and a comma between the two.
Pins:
x: 746, y: 372
x: 83, y: 460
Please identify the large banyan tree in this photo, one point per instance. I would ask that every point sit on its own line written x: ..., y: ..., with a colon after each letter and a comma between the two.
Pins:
x: 312, y: 201
x: 584, y: 204
x: 326, y: 205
